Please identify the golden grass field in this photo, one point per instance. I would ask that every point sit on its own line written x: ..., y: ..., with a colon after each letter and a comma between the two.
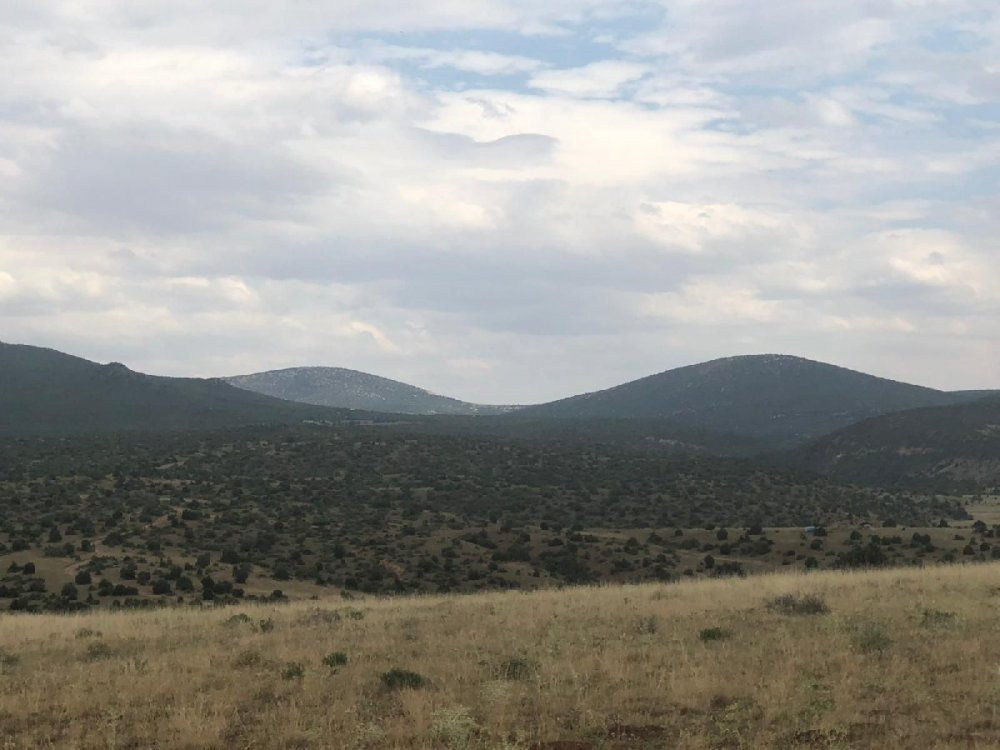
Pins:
x: 904, y: 658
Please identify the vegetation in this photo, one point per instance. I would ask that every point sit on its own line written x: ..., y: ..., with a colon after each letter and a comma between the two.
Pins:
x: 722, y: 669
x: 954, y: 448
x: 273, y: 513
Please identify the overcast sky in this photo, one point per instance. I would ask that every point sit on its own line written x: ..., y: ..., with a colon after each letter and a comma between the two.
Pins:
x: 503, y: 200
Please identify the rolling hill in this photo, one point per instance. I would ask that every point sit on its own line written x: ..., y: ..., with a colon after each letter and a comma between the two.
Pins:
x: 784, y: 399
x: 352, y: 389
x: 45, y: 392
x: 949, y: 448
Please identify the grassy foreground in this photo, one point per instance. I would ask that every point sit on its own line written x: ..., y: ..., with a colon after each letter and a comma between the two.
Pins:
x: 895, y: 659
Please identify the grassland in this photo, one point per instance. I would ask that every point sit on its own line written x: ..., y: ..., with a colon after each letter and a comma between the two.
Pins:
x: 878, y: 659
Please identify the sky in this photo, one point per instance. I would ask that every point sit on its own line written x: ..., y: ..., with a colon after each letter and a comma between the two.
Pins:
x: 505, y: 201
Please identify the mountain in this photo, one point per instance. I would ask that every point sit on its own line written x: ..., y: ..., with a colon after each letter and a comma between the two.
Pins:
x: 45, y: 392
x: 787, y: 400
x: 950, y: 448
x: 351, y: 389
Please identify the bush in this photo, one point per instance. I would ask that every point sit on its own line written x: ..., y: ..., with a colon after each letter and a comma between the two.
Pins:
x: 454, y: 727
x: 293, y: 670
x: 937, y: 618
x: 248, y: 658
x: 515, y: 668
x: 402, y: 679
x: 801, y: 604
x: 97, y: 650
x: 8, y: 660
x: 335, y: 659
x: 713, y: 634
x: 871, y: 638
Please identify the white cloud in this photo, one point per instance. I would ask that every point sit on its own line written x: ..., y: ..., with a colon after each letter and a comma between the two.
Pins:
x: 213, y: 188
x: 482, y: 62
x: 599, y: 79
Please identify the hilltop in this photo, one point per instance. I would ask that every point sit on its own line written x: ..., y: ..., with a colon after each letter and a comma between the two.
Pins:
x: 352, y: 389
x: 893, y: 660
x: 783, y: 398
x: 46, y: 392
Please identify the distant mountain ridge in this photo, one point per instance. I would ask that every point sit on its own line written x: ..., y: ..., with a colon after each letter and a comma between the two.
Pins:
x: 352, y: 389
x: 45, y: 392
x: 783, y: 398
x: 745, y: 406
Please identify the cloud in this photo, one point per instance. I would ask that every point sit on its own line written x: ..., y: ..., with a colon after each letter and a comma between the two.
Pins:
x: 599, y: 79
x: 482, y: 62
x: 504, y: 201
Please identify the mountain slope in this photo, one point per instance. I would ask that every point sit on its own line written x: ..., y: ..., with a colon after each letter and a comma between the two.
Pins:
x: 951, y: 447
x: 785, y: 399
x: 43, y: 391
x: 351, y: 389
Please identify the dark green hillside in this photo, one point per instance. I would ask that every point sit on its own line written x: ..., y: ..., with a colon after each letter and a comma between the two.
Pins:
x: 663, y: 436
x: 352, y: 389
x: 781, y: 398
x: 953, y: 447
x: 45, y: 392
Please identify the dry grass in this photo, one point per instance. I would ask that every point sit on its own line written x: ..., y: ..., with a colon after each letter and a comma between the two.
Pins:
x: 903, y: 659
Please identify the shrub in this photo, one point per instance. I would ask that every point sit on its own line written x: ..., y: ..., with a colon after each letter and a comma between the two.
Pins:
x: 319, y: 617
x: 335, y: 659
x: 728, y: 568
x: 293, y: 670
x: 515, y: 668
x: 646, y: 625
x: 454, y: 727
x: 936, y: 618
x: 713, y: 634
x: 83, y: 578
x: 248, y: 658
x: 402, y: 679
x: 871, y: 638
x: 868, y: 556
x: 801, y: 604
x: 8, y: 660
x: 97, y: 650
